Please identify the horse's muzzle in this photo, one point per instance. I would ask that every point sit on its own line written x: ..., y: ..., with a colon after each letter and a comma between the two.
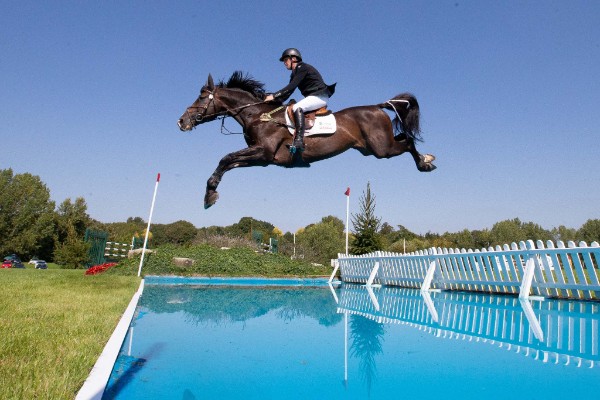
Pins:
x: 184, y: 126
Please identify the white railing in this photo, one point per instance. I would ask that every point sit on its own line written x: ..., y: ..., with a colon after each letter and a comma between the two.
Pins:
x: 559, y: 271
x: 115, y: 249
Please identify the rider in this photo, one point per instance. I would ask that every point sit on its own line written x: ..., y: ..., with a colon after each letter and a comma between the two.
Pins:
x: 306, y: 78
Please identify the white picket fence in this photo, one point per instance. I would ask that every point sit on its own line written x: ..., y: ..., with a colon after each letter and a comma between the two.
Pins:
x: 559, y: 271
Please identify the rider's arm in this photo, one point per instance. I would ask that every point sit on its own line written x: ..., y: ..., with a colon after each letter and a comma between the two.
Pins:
x: 298, y: 76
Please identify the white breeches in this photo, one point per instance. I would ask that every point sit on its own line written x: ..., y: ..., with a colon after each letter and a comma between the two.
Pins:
x: 311, y: 103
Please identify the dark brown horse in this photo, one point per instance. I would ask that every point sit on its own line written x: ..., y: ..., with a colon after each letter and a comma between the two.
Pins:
x: 367, y: 129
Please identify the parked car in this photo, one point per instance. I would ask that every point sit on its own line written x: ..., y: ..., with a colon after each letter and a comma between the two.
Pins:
x: 12, y: 263
x: 41, y: 264
x: 12, y: 257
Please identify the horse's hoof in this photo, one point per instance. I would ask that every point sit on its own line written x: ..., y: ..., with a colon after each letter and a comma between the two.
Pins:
x: 210, y: 198
x: 426, y: 167
x: 428, y: 158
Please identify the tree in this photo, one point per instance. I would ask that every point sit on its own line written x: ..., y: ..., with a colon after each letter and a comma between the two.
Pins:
x: 509, y: 231
x: 27, y: 218
x: 246, y: 225
x: 366, y: 226
x: 590, y: 231
x: 322, y: 241
x: 72, y: 215
x: 180, y: 233
x: 72, y: 221
x: 564, y: 234
x: 122, y: 231
x: 73, y: 252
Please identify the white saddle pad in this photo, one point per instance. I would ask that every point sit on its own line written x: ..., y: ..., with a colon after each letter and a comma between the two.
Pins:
x: 324, y: 125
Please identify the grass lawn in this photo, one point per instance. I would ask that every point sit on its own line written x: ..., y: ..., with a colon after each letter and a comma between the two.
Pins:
x: 53, y: 326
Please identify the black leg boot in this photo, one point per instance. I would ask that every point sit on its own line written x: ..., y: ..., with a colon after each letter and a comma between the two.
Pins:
x: 298, y: 144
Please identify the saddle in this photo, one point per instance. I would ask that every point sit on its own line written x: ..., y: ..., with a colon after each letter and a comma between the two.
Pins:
x: 309, y: 117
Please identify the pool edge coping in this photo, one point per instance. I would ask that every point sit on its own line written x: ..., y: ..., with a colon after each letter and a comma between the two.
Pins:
x: 95, y: 383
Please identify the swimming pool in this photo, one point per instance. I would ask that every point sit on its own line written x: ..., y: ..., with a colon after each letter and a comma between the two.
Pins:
x: 264, y: 339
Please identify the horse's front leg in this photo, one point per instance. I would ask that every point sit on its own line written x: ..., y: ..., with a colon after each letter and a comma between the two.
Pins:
x: 252, y: 156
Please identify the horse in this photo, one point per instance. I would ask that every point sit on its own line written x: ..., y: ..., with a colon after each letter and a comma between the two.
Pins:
x: 367, y: 129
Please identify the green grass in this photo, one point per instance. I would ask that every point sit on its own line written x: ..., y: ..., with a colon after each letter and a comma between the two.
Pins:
x: 54, y: 324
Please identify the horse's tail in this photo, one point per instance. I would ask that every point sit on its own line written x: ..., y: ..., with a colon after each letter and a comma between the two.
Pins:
x: 406, y: 122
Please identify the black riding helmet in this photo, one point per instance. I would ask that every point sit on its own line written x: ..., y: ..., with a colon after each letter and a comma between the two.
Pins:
x: 291, y: 52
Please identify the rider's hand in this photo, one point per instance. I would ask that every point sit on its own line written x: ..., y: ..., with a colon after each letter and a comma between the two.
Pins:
x: 269, y: 97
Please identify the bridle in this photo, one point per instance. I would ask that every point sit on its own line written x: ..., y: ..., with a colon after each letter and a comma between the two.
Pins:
x: 200, y: 116
x: 203, y: 115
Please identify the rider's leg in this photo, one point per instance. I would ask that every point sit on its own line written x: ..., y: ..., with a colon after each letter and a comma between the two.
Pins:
x: 299, y: 136
x: 309, y: 103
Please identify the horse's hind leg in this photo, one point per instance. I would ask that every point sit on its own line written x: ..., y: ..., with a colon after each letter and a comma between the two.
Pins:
x: 379, y: 141
x: 424, y: 162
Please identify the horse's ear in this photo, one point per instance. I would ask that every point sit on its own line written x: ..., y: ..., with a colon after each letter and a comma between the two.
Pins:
x: 210, y: 84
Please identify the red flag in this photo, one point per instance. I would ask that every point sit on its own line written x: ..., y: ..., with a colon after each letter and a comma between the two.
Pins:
x: 347, y: 193
x: 158, y: 177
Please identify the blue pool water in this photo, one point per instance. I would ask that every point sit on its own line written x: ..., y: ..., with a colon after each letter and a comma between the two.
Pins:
x: 308, y: 341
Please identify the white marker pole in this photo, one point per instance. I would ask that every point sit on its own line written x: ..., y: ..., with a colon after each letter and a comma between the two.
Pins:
x: 347, y: 193
x: 149, y: 221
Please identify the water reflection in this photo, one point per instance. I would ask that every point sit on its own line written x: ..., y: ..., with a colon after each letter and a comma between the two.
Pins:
x: 222, y: 304
x: 367, y: 342
x: 558, y: 331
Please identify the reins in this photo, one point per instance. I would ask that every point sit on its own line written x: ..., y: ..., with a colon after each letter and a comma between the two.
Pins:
x: 224, y: 113
x: 265, y: 117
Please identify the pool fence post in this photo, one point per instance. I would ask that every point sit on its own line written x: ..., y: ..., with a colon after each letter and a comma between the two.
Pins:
x: 527, y: 278
x: 426, y: 286
x: 534, y: 324
x: 148, y: 228
x: 373, y: 297
x: 336, y: 266
x: 430, y: 306
x: 372, y: 276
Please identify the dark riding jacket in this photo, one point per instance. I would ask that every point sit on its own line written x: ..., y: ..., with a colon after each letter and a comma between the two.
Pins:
x: 306, y: 78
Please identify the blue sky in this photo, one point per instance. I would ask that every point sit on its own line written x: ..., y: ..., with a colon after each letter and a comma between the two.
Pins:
x: 509, y: 94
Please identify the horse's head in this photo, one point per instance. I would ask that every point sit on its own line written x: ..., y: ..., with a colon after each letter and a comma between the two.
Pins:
x: 204, y: 109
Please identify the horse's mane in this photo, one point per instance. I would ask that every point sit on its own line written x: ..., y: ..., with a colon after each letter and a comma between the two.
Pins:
x: 245, y: 82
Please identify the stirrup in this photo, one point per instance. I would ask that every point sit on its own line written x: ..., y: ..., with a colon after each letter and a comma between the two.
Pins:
x: 294, y: 149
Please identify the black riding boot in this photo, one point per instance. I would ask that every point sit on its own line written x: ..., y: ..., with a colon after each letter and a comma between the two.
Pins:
x: 298, y: 144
